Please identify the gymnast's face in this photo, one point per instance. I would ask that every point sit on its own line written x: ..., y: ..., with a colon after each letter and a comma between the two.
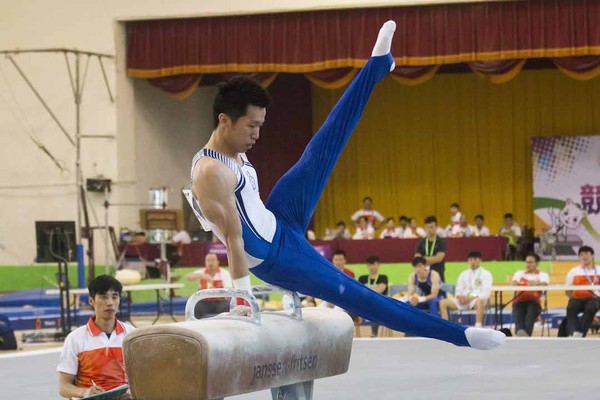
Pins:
x: 243, y: 133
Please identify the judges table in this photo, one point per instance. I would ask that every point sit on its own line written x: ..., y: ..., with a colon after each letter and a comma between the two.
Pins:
x: 500, y: 305
x: 133, y: 288
x: 492, y: 248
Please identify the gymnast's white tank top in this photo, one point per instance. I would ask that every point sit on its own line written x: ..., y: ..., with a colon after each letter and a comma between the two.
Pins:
x: 258, y: 223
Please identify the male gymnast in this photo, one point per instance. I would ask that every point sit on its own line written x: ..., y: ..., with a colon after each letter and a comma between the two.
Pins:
x: 269, y: 238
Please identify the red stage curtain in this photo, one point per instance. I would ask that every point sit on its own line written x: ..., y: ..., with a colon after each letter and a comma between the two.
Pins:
x: 582, y: 68
x: 313, y: 41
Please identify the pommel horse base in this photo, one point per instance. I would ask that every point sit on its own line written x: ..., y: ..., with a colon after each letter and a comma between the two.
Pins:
x: 214, y: 358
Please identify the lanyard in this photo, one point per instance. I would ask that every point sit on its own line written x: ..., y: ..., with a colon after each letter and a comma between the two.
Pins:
x: 429, y: 251
x: 369, y: 280
x: 588, y: 277
x: 473, y: 282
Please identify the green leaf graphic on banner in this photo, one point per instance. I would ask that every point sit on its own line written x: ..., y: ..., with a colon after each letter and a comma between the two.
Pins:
x: 547, y: 202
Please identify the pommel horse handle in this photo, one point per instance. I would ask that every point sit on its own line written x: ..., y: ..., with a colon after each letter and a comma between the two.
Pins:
x: 250, y: 298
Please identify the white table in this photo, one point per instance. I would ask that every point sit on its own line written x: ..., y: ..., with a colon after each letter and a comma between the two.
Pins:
x: 500, y: 289
x: 133, y: 288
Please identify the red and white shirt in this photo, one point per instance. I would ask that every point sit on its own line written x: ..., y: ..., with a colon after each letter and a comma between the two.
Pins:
x: 584, y: 276
x: 221, y: 279
x: 90, y: 354
x: 523, y: 278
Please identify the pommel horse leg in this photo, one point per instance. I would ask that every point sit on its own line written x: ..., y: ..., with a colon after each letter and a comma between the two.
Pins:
x: 228, y: 355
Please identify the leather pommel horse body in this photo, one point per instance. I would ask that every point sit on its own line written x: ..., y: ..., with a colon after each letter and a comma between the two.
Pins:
x: 226, y: 355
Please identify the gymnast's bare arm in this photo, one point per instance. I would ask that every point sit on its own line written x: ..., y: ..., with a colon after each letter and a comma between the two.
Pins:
x: 214, y: 185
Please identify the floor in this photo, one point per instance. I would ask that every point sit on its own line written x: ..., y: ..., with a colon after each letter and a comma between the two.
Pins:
x: 396, y: 368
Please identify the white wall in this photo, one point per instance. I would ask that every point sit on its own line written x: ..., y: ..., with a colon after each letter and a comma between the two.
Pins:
x: 147, y: 151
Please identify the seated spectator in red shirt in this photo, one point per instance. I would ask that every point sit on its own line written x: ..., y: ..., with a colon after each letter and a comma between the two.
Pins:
x: 582, y: 301
x: 211, y: 277
x: 91, y: 361
x: 527, y: 305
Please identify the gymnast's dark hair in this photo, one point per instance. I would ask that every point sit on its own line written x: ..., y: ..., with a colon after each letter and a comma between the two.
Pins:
x: 234, y: 96
x: 102, y: 284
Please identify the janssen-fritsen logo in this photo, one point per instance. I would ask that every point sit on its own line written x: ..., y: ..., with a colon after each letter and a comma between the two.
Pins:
x: 296, y: 363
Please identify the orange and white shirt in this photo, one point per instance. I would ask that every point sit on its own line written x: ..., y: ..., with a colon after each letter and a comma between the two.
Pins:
x: 584, y: 276
x: 523, y: 278
x: 221, y: 279
x: 90, y: 354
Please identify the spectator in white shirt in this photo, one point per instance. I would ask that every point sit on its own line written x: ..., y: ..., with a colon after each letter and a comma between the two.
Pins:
x: 472, y: 290
x: 339, y: 232
x: 414, y: 231
x: 455, y: 214
x: 391, y: 231
x: 364, y: 230
x: 479, y: 229
x: 374, y: 217
x: 402, y: 224
x: 463, y: 229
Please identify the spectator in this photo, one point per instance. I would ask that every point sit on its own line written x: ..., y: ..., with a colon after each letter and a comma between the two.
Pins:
x: 526, y: 305
x: 413, y: 231
x: 364, y: 230
x: 339, y: 232
x: 403, y: 222
x: 92, y: 358
x: 455, y: 214
x: 512, y: 232
x: 375, y: 281
x: 433, y: 248
x: 472, y: 290
x: 462, y: 229
x: 211, y: 277
x: 582, y: 301
x: 391, y: 231
x: 479, y: 230
x: 374, y: 218
x: 424, y: 287
x: 454, y: 218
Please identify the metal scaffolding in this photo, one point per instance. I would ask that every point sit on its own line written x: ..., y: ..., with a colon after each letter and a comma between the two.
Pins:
x: 77, y: 80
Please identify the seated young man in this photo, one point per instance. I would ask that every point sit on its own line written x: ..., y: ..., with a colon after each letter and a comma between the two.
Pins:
x: 527, y: 305
x: 92, y: 358
x: 582, y: 301
x: 424, y: 287
x: 375, y: 281
x: 472, y: 290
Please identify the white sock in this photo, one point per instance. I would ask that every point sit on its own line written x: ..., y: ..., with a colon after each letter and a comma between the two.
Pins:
x: 383, y: 44
x: 477, y: 324
x: 484, y: 339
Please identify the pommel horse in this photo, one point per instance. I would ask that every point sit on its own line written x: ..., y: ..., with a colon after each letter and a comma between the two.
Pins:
x: 228, y: 355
